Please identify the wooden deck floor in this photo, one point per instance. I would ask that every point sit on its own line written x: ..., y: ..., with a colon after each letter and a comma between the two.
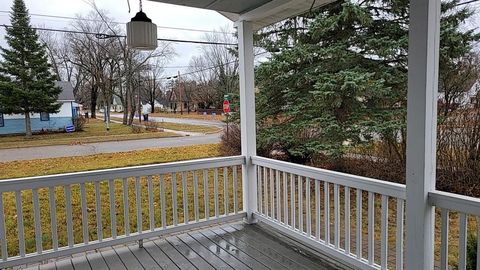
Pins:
x: 229, y: 246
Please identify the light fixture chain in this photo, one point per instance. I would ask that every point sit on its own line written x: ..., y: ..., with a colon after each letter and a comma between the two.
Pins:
x: 140, y: 5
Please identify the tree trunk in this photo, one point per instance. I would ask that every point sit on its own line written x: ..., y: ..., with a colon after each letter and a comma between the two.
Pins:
x: 93, y: 101
x: 131, y: 116
x: 152, y: 106
x: 125, y: 116
x: 132, y: 109
x: 123, y: 99
x: 28, y: 125
x: 128, y: 108
x: 107, y: 115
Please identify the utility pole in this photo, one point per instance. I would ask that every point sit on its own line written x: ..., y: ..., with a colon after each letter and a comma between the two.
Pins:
x: 180, y: 93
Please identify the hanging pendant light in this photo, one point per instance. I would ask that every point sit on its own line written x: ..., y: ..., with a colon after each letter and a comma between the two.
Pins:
x: 141, y: 32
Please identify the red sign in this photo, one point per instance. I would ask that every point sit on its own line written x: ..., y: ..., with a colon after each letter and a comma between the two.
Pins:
x: 226, y: 106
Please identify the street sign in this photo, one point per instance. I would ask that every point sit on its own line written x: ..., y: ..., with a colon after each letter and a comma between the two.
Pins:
x: 226, y: 106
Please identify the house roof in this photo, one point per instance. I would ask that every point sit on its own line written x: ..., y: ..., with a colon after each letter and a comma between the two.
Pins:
x: 260, y: 12
x: 67, y: 91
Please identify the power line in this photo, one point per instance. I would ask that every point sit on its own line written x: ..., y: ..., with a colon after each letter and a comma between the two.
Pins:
x: 93, y: 20
x: 466, y: 3
x: 99, y: 35
x: 104, y: 36
x: 176, y: 67
x: 208, y: 68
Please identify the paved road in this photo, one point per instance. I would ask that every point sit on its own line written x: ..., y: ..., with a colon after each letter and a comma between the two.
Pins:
x: 102, y: 147
x: 214, y: 123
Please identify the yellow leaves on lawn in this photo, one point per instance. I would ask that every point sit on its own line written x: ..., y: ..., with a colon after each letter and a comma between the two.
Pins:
x: 26, y: 168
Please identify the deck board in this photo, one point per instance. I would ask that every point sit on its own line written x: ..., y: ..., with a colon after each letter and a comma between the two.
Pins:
x: 144, y: 258
x: 189, y: 253
x: 174, y: 255
x: 159, y: 256
x: 112, y: 259
x: 219, y: 251
x: 80, y: 263
x: 128, y: 259
x: 289, y: 251
x: 225, y: 247
x: 96, y: 261
x: 234, y: 251
x: 250, y: 250
x: 205, y: 253
x: 48, y: 267
x: 268, y: 249
x: 65, y: 264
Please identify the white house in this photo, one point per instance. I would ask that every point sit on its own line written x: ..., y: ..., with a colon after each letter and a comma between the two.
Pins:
x: 117, y: 105
x: 15, y: 123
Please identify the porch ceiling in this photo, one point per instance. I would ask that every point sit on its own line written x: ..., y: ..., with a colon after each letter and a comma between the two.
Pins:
x: 260, y: 12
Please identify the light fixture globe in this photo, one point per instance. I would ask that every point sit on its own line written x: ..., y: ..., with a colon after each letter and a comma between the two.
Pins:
x: 142, y: 33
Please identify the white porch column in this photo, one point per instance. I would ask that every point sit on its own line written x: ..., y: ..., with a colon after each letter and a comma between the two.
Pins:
x: 423, y: 56
x: 247, y: 116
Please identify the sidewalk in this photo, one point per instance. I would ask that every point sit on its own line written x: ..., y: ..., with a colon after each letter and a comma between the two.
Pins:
x: 29, y: 153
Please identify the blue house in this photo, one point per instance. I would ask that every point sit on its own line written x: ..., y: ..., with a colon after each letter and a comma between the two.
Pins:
x: 15, y: 123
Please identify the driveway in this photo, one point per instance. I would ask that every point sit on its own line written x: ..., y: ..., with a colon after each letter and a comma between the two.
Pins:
x: 102, y: 147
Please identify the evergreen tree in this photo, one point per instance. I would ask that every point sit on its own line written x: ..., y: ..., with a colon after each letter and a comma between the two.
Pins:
x: 340, y: 75
x: 26, y: 83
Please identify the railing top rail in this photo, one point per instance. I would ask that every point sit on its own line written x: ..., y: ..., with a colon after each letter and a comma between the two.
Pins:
x: 118, y: 173
x: 344, y: 179
x: 455, y: 202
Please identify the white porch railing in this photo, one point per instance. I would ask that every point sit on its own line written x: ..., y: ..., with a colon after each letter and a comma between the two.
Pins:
x: 326, y: 210
x: 356, y: 220
x: 121, y: 205
x: 466, y: 208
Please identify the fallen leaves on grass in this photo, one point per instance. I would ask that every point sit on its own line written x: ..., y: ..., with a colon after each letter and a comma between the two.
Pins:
x: 26, y: 168
x: 94, y: 132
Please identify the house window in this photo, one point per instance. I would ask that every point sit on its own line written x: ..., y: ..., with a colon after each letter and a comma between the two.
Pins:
x: 2, y: 121
x: 44, y: 116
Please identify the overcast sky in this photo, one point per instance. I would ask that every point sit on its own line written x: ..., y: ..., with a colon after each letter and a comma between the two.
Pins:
x: 161, y: 14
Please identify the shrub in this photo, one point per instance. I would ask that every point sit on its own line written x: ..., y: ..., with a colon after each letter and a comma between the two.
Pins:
x: 231, y: 143
x: 79, y: 123
x: 151, y: 126
x: 458, y: 155
x: 136, y: 129
x: 471, y: 253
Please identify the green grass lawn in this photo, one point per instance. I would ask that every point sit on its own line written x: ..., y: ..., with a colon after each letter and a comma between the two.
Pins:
x: 37, y: 167
x: 192, y: 115
x: 189, y: 128
x: 103, y: 161
x: 179, y: 127
x: 94, y: 131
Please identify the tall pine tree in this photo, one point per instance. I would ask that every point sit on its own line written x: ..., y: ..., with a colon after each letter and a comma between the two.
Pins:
x: 26, y: 83
x: 339, y: 74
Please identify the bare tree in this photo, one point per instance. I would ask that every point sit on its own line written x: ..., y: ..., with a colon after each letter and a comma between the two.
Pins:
x: 153, y: 77
x: 205, y: 90
x: 216, y: 69
x: 59, y: 53
x: 111, y: 67
x: 457, y: 79
x: 91, y: 55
